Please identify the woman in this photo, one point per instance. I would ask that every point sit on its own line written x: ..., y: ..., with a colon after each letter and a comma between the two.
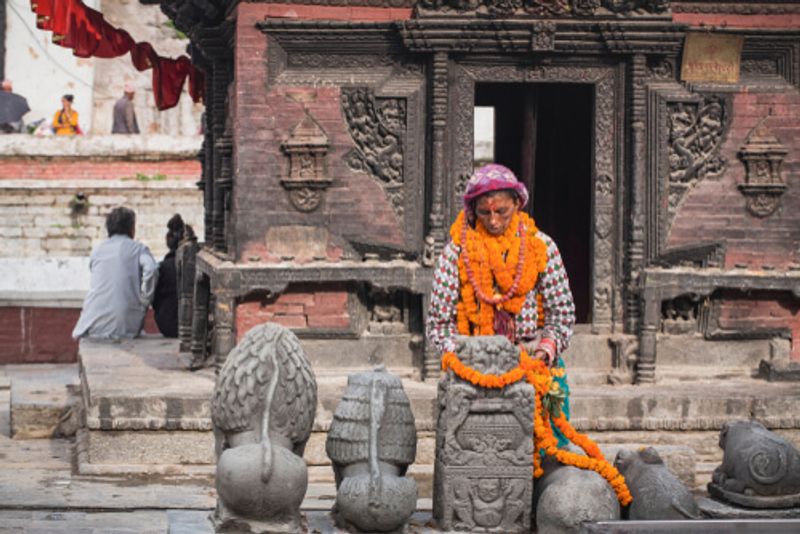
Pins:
x: 165, y: 302
x: 507, y: 280
x: 65, y: 121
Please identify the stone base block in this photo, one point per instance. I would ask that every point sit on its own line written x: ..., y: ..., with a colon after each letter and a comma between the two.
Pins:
x: 34, y: 422
x: 775, y: 371
x: 720, y: 510
x: 143, y: 452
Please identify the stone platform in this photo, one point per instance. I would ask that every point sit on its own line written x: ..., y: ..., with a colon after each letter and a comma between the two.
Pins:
x: 145, y: 414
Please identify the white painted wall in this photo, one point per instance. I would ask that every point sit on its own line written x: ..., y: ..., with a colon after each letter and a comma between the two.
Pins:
x: 484, y: 134
x: 42, y: 71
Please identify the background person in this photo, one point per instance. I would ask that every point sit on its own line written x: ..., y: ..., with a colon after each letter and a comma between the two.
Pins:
x: 123, y: 280
x: 165, y: 302
x: 125, y: 113
x: 65, y: 120
x: 12, y: 108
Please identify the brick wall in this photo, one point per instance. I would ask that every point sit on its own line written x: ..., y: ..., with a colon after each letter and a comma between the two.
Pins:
x: 299, y: 308
x: 43, y: 335
x: 87, y: 169
x: 715, y: 210
x: 355, y: 206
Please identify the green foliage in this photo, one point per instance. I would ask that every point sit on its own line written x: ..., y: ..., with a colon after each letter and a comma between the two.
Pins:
x: 178, y: 34
x: 141, y: 177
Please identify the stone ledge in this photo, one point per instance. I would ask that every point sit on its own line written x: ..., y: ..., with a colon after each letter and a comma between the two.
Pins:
x: 55, y: 282
x: 145, y: 452
x: 134, y: 147
x: 90, y: 185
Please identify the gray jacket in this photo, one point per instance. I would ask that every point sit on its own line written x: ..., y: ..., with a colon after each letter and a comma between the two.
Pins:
x: 124, y: 117
x: 124, y: 276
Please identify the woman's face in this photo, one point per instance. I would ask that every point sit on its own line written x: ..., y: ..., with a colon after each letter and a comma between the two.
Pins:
x: 66, y: 104
x: 495, y: 210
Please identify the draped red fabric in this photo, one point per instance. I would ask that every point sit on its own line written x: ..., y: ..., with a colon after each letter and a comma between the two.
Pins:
x: 83, y: 33
x: 88, y: 34
x: 143, y: 56
x: 44, y: 13
x: 114, y: 42
x: 197, y: 84
x: 169, y: 76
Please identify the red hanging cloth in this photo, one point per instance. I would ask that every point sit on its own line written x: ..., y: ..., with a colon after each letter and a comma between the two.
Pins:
x: 143, y: 56
x: 44, y: 13
x: 84, y: 34
x: 168, y: 78
x: 197, y: 84
x: 114, y: 42
x: 88, y: 34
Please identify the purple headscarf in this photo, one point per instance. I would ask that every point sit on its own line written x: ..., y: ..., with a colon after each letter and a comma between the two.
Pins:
x: 493, y: 177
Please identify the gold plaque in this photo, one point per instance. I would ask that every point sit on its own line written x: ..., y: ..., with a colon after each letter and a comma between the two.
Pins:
x: 711, y: 57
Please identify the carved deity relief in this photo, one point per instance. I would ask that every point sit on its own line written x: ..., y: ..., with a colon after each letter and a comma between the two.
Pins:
x: 695, y: 135
x: 377, y: 126
x: 484, y: 445
x: 762, y: 155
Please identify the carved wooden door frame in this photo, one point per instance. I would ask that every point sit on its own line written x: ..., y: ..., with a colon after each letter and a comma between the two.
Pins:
x: 608, y: 141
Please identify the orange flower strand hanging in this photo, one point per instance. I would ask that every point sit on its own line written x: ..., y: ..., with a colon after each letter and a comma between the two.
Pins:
x: 540, y: 377
x: 494, y: 263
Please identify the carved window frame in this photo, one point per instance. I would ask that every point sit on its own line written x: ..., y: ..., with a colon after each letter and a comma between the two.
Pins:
x: 608, y: 169
x: 659, y: 216
x: 296, y: 61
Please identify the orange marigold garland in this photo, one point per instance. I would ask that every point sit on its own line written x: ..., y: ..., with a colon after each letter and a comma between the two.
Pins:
x: 495, y: 272
x: 540, y: 377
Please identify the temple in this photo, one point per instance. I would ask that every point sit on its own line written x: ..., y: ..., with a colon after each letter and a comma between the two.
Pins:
x: 658, y: 139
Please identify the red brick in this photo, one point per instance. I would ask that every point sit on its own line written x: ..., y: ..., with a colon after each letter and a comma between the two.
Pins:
x: 69, y: 169
x: 328, y: 321
x: 297, y: 297
x: 789, y: 20
x: 291, y: 321
x: 38, y: 335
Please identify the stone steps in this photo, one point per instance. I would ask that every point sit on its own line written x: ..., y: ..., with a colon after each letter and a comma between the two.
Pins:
x: 41, y: 399
x: 147, y: 415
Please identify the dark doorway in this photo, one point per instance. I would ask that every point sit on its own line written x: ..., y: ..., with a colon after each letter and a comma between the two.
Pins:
x: 543, y: 132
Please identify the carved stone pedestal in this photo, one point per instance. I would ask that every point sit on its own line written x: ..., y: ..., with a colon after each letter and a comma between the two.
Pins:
x: 483, y: 475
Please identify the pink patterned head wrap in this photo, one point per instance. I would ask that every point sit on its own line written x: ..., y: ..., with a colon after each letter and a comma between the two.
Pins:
x: 493, y: 177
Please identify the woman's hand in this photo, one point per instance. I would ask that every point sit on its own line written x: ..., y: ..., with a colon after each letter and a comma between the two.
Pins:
x: 545, y: 356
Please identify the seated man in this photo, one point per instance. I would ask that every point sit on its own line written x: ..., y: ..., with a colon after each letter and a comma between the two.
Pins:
x: 123, y: 281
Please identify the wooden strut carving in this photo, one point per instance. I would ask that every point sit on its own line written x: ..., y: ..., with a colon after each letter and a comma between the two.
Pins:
x: 543, y: 8
x: 695, y: 136
x: 377, y: 126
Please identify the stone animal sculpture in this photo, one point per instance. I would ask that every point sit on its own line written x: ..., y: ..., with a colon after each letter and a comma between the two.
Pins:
x: 759, y: 468
x: 657, y: 493
x: 371, y: 442
x: 263, y: 409
x: 566, y: 497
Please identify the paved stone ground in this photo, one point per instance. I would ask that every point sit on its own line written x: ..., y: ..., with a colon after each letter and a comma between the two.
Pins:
x: 41, y: 492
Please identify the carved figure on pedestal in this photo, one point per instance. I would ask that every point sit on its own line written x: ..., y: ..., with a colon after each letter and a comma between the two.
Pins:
x: 371, y: 442
x: 657, y: 493
x: 263, y: 409
x: 484, y: 447
x: 759, y: 469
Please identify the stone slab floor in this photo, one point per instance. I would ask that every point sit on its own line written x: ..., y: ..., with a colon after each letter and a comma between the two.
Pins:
x: 40, y: 491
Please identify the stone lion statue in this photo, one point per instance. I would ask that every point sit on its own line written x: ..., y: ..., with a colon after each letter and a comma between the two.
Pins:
x: 263, y: 410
